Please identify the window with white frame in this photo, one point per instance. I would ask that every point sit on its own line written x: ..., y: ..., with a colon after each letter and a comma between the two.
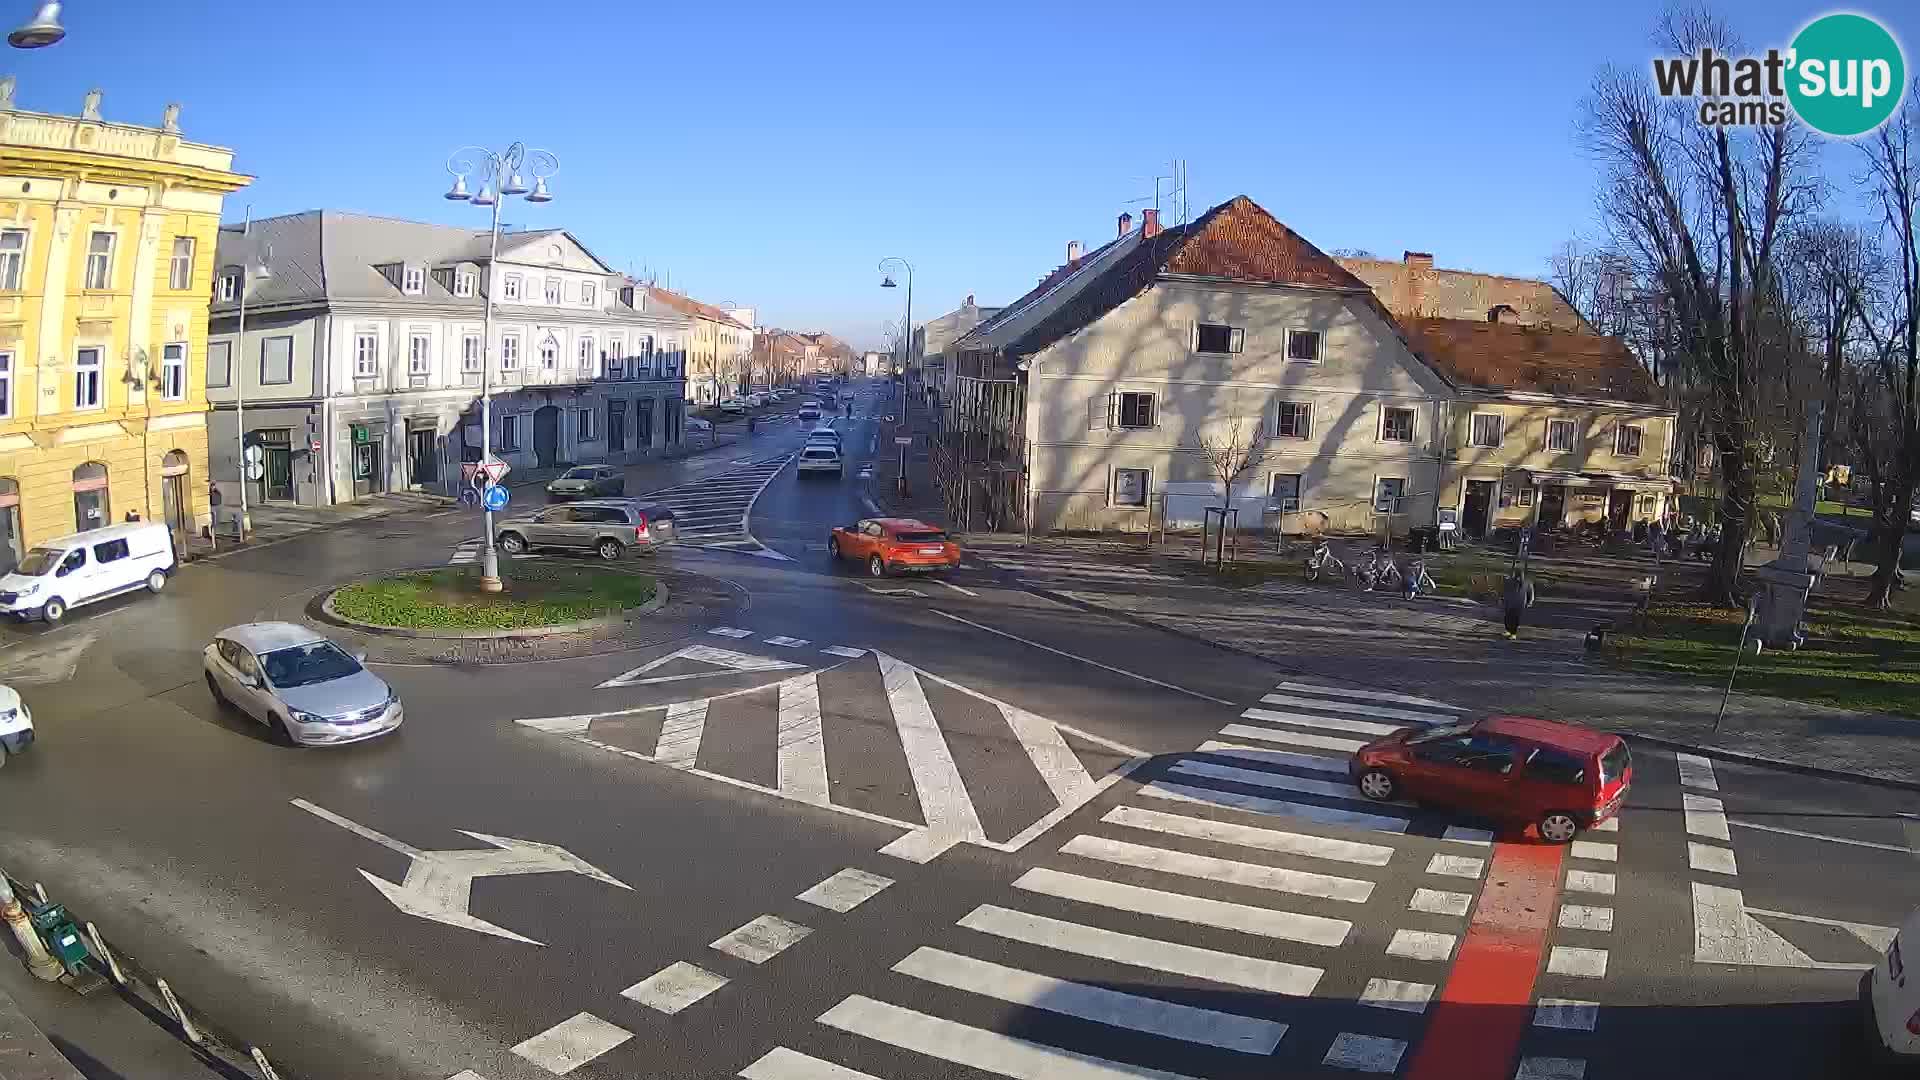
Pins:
x: 1396, y: 424
x: 219, y: 363
x: 1218, y: 338
x: 1130, y: 488
x: 643, y: 358
x: 509, y: 352
x: 229, y: 286
x: 549, y: 353
x: 419, y: 354
x: 180, y: 265
x: 583, y: 425
x: 1134, y: 410
x: 463, y: 283
x: 13, y: 257
x: 1303, y: 346
x: 86, y: 378
x: 509, y: 432
x: 99, y: 261
x: 1283, y: 493
x: 586, y: 355
x: 1560, y: 436
x: 670, y: 363
x: 588, y: 294
x: 366, y: 355
x: 1525, y: 496
x: 173, y: 371
x: 1485, y: 429
x: 617, y: 364
x: 1626, y: 440
x: 1645, y: 505
x: 413, y: 280
x: 1295, y: 420
x: 6, y: 384
x: 553, y: 291
x: 616, y: 347
x: 1387, y: 493
x: 470, y: 353
x: 510, y: 288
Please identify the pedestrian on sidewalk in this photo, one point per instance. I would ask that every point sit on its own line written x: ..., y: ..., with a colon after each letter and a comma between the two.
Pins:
x: 1513, y: 603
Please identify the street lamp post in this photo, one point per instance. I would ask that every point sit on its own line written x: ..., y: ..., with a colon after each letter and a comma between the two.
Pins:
x: 499, y: 176
x: 42, y: 30
x: 251, y: 267
x: 906, y: 331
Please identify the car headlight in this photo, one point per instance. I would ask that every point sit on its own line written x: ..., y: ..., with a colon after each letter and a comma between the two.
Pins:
x: 28, y: 590
x: 301, y: 716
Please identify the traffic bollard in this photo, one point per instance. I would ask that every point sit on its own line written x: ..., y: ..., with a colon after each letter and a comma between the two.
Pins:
x: 39, y: 961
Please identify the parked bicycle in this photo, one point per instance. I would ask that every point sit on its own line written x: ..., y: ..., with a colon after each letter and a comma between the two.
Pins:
x: 1379, y: 569
x: 1416, y: 581
x: 1324, y: 561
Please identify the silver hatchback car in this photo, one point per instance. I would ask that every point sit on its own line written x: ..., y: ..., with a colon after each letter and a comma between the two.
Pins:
x: 306, y: 689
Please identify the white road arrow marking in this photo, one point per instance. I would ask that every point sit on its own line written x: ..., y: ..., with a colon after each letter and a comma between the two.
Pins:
x: 439, y: 884
x: 726, y: 660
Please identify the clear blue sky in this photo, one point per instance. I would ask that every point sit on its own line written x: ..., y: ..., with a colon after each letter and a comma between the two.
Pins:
x: 771, y: 154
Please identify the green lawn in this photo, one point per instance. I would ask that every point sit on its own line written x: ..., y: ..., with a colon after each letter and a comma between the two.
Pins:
x: 1853, y: 658
x: 537, y: 594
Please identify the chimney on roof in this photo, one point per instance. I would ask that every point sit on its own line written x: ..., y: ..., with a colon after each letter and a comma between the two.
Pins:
x: 1415, y: 267
x: 1150, y: 222
x: 1126, y: 223
x: 1073, y: 252
x: 970, y: 300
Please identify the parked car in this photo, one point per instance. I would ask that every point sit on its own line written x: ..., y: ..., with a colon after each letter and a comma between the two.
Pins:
x: 16, y: 724
x: 60, y: 574
x: 1559, y: 777
x: 734, y: 405
x: 697, y: 426
x: 609, y: 528
x: 306, y: 689
x: 894, y: 545
x: 1890, y: 995
x: 782, y: 393
x: 757, y: 399
x: 588, y: 481
x: 820, y: 457
x: 810, y: 410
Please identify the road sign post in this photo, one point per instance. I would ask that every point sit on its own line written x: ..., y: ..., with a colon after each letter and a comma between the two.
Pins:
x: 495, y: 497
x: 900, y: 483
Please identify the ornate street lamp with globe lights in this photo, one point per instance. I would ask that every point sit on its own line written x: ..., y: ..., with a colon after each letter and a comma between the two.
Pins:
x: 906, y: 332
x: 499, y: 177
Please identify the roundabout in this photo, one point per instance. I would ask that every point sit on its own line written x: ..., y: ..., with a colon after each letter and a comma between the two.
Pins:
x: 540, y: 598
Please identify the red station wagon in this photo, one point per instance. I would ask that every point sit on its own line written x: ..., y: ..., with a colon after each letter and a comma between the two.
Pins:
x: 1560, y: 777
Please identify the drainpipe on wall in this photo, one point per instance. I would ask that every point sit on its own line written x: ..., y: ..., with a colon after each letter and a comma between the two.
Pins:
x: 1445, y: 413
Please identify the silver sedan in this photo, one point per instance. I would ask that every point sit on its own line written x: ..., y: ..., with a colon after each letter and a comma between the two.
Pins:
x: 306, y: 689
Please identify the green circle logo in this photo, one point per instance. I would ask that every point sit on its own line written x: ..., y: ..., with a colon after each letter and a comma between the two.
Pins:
x: 1846, y: 75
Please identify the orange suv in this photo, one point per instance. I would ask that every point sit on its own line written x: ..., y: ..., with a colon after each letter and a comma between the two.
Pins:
x: 891, y: 545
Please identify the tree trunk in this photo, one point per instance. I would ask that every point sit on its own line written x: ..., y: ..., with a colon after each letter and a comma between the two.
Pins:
x: 1890, y: 541
x: 1736, y: 522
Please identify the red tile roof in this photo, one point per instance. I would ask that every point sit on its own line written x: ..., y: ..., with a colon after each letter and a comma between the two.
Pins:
x: 1414, y: 288
x: 1531, y: 359
x: 1240, y: 241
x: 689, y: 306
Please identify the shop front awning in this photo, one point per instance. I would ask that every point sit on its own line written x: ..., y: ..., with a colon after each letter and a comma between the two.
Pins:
x: 1623, y: 481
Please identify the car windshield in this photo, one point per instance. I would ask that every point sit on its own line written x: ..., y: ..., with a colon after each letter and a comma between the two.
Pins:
x: 1615, y: 763
x: 303, y: 665
x: 39, y: 561
x: 1447, y: 732
x: 921, y: 537
x: 582, y: 473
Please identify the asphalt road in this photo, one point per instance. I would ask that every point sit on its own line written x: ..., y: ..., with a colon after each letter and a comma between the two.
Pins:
x: 911, y: 828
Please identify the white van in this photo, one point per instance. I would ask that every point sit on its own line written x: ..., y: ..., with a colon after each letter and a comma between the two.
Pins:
x: 1891, y: 995
x: 73, y: 570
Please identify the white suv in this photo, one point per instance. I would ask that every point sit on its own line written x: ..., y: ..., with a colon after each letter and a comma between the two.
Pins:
x: 820, y: 457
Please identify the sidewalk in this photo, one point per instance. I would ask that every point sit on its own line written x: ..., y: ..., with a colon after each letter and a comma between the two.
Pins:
x: 273, y: 522
x: 1455, y: 649
x: 48, y: 1032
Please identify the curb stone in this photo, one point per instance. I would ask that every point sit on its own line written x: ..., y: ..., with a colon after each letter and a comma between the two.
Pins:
x: 1761, y: 761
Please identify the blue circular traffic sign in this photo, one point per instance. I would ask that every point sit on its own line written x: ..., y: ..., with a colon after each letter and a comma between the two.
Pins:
x: 496, y: 497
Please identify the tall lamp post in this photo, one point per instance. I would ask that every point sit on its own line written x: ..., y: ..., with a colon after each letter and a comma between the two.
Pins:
x: 906, y: 331
x: 254, y: 266
x: 499, y: 177
x: 42, y: 30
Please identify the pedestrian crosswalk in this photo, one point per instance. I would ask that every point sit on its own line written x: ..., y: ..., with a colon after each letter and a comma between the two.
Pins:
x: 712, y: 511
x: 1237, y: 914
x: 871, y: 736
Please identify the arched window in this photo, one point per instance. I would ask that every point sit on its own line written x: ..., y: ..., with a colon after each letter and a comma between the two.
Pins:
x: 10, y: 543
x: 91, y: 509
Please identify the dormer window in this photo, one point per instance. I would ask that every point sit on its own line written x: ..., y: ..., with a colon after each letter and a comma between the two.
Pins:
x: 626, y: 296
x: 413, y: 280
x: 229, y: 285
x: 463, y: 283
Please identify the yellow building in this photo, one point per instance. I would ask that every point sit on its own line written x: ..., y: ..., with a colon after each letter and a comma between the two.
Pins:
x: 107, y: 236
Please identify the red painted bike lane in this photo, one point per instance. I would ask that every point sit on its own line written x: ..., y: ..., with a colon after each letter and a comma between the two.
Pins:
x: 1482, y: 1012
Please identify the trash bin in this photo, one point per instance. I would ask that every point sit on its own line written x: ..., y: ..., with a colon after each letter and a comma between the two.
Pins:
x: 1422, y: 539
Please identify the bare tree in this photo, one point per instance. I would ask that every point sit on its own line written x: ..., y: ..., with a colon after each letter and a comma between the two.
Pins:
x: 1702, y: 213
x: 1233, y: 447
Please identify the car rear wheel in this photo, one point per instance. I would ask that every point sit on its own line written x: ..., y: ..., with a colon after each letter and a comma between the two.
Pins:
x: 1557, y: 826
x: 1378, y: 785
x: 513, y: 543
x: 877, y: 566
x: 610, y: 549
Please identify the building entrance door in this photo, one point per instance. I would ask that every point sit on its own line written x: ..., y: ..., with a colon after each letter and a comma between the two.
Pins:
x: 1479, y: 508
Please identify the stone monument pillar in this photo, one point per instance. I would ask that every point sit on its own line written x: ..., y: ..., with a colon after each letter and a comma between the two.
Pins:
x: 1786, y: 580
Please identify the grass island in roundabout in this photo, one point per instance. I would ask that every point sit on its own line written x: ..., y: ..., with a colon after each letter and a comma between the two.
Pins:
x: 537, y: 595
